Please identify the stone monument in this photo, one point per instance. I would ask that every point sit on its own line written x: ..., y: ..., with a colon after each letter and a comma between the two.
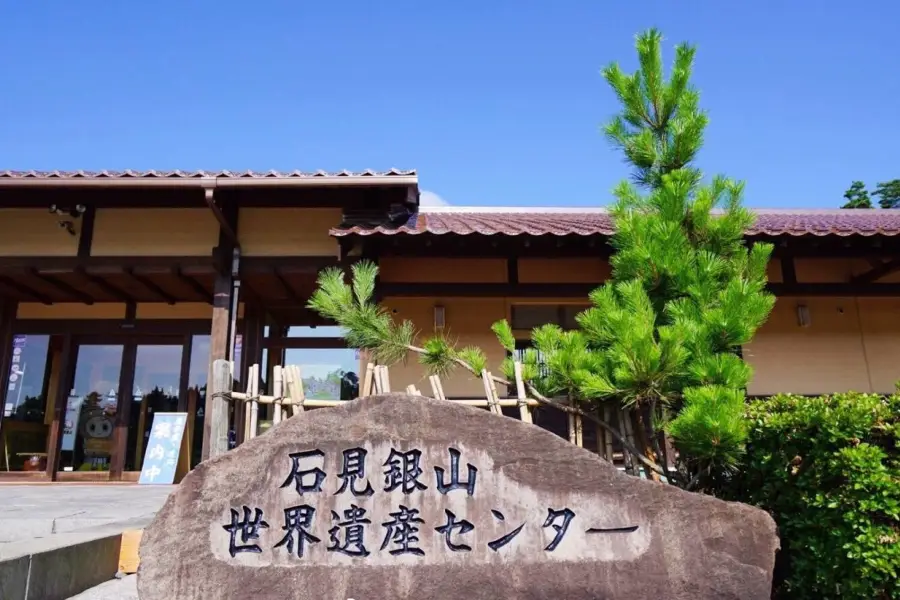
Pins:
x: 394, y: 497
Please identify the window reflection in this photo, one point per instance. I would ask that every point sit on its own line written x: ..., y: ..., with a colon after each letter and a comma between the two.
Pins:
x: 196, y: 401
x: 328, y: 374
x: 157, y: 371
x: 23, y: 433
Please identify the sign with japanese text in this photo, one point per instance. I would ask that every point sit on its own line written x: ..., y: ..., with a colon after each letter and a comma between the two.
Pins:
x: 163, y: 448
x: 413, y: 503
x: 401, y: 497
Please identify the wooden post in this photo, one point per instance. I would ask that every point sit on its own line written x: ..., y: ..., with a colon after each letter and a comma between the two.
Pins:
x: 217, y: 410
x: 8, y: 310
x: 524, y: 412
x: 607, y: 417
x: 489, y: 392
x: 368, y: 380
x: 278, y: 392
x: 254, y: 403
x: 386, y: 380
x: 298, y: 397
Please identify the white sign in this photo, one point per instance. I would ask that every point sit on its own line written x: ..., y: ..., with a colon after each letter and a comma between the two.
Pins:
x: 70, y: 425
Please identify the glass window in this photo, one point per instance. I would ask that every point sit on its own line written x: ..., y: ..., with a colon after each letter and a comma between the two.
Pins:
x: 328, y: 374
x: 529, y: 316
x: 324, y: 331
x: 24, y: 428
x: 91, y: 408
x: 157, y: 372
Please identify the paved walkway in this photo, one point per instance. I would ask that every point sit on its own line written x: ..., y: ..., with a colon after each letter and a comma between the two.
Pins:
x: 118, y: 589
x: 37, y: 511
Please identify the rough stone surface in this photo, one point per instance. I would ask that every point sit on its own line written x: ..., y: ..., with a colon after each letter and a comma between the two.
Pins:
x: 609, y: 536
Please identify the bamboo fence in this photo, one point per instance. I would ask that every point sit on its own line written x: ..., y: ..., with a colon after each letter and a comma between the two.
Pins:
x: 288, y: 398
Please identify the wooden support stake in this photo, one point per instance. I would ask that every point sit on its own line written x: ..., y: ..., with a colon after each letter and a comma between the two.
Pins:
x: 411, y: 389
x: 368, y: 380
x: 524, y: 412
x: 601, y: 437
x: 248, y: 386
x: 254, y: 403
x: 579, y: 431
x: 386, y: 380
x: 218, y: 433
x: 440, y: 387
x: 607, y: 417
x: 570, y: 427
x: 301, y: 394
x: 278, y: 392
x: 629, y: 435
x: 495, y: 394
x: 488, y: 391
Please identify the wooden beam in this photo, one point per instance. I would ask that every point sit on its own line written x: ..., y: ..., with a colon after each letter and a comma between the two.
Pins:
x: 104, y: 285
x: 470, y: 290
x: 581, y: 290
x: 25, y: 290
x: 154, y: 289
x: 86, y: 234
x: 288, y: 290
x: 836, y: 289
x: 62, y: 286
x: 512, y: 270
x: 788, y: 271
x: 194, y: 285
x: 224, y: 226
x: 878, y: 272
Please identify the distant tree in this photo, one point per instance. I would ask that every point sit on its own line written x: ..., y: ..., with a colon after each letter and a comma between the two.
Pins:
x: 857, y: 196
x: 888, y: 194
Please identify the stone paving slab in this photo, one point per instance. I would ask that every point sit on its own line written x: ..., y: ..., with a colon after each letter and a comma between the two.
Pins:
x: 38, y: 511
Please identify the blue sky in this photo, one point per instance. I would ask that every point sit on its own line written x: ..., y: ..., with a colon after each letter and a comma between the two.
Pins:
x: 495, y: 103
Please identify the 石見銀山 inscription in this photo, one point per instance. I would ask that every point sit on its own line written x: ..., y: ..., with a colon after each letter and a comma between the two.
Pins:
x: 396, y: 497
x: 425, y: 505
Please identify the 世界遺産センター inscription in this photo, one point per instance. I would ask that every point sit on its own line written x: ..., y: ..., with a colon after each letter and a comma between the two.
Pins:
x: 413, y: 509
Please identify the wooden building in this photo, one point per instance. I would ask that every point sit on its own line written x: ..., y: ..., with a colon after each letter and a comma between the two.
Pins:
x: 118, y: 290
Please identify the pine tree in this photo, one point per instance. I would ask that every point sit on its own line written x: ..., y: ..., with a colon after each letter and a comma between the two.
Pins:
x: 857, y: 196
x: 888, y: 193
x: 662, y: 334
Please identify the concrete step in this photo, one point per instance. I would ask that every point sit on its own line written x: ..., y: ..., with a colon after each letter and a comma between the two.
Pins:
x: 62, y: 565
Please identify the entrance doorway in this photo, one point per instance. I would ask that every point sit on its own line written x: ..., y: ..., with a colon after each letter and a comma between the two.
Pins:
x: 116, y: 389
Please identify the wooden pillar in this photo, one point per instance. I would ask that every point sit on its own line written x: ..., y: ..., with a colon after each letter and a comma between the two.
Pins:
x: 8, y: 309
x: 215, y: 423
x: 54, y: 441
x: 252, y: 332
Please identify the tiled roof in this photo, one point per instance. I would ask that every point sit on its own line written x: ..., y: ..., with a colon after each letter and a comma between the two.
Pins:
x: 152, y: 174
x: 559, y: 222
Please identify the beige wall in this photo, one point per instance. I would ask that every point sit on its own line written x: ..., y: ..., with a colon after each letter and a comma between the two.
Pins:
x: 468, y: 322
x: 563, y: 270
x: 288, y: 231
x: 154, y: 232
x: 850, y: 344
x: 35, y: 232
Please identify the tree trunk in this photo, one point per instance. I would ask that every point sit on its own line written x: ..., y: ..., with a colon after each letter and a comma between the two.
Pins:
x: 642, y: 435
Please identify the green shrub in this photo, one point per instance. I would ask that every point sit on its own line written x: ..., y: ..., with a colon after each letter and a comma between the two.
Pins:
x: 828, y: 470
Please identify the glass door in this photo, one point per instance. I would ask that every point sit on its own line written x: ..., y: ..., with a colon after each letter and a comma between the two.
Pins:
x: 156, y: 388
x: 91, y: 409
